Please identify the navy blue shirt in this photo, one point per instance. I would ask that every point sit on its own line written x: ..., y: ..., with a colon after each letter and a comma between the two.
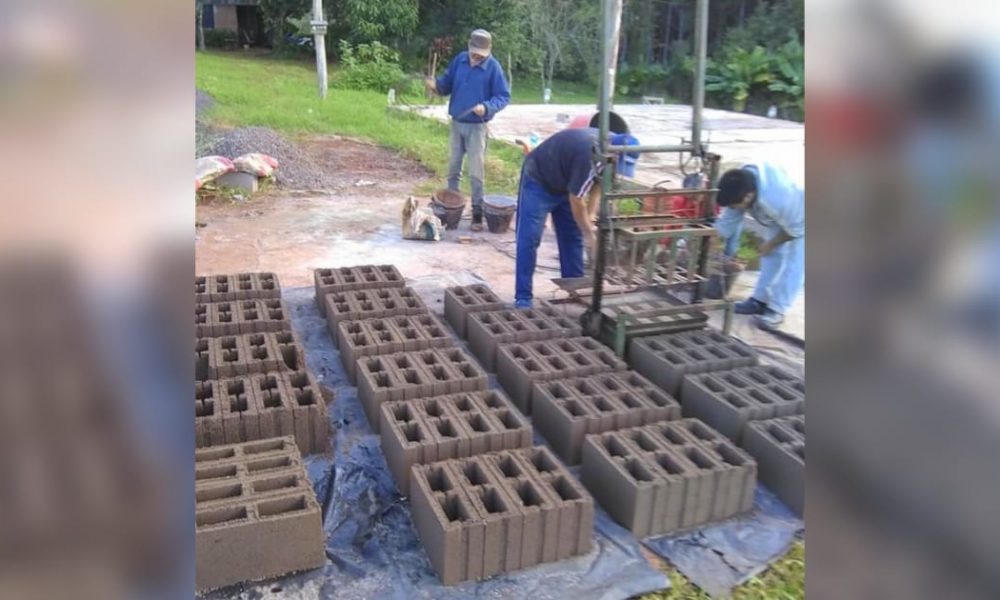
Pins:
x: 468, y: 86
x: 565, y: 162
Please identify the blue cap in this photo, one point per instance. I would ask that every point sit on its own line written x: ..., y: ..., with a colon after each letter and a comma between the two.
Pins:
x: 626, y: 160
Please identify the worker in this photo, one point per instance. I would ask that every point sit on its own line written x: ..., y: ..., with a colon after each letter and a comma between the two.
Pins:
x: 775, y: 197
x: 479, y: 90
x: 561, y: 176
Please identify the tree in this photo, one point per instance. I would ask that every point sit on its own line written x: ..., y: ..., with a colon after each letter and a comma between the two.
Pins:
x: 199, y: 10
x: 276, y: 13
x: 384, y: 21
x: 552, y: 24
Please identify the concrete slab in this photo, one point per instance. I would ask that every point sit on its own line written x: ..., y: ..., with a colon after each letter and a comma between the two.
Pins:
x: 737, y: 137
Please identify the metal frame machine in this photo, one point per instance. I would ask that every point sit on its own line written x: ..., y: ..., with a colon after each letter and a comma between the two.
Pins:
x: 650, y: 268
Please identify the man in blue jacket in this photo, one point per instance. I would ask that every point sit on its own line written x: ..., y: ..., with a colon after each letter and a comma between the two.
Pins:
x: 479, y: 90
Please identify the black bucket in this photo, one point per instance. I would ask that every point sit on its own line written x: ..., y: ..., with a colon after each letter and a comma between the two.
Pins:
x: 448, y: 206
x: 498, y: 211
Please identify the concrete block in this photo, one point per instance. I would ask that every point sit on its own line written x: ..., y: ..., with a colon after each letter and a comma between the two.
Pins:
x: 668, y: 476
x: 431, y: 429
x: 667, y: 359
x: 344, y: 279
x: 461, y: 301
x: 778, y: 447
x: 728, y: 400
x: 499, y: 512
x: 246, y: 493
x: 208, y: 415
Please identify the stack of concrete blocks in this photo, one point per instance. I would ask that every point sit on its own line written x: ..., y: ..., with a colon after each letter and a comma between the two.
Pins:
x: 521, y: 365
x: 371, y: 304
x: 373, y: 337
x: 260, y: 406
x: 667, y: 359
x: 499, y: 512
x: 432, y: 429
x: 779, y: 446
x: 242, y: 286
x: 256, y: 514
x: 346, y: 279
x: 669, y: 476
x: 488, y: 330
x: 566, y: 410
x: 251, y: 380
x: 461, y: 301
x: 213, y: 319
x: 728, y: 400
x: 415, y: 374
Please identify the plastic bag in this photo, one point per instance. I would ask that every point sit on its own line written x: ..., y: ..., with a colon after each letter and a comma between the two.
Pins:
x: 208, y: 168
x: 419, y: 223
x: 259, y: 164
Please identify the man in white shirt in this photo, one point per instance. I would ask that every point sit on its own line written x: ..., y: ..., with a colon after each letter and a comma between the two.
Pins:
x: 775, y: 197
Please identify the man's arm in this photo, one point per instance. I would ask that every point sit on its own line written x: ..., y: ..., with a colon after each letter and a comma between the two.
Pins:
x: 779, y: 239
x: 442, y: 85
x: 584, y: 220
x: 501, y: 92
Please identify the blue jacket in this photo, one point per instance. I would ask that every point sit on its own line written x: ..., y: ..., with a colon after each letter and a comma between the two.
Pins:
x: 468, y: 86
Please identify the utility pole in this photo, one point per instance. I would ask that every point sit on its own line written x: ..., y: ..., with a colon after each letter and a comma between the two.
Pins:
x: 319, y: 31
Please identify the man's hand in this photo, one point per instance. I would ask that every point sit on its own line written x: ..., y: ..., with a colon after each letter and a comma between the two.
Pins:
x: 431, y: 84
x: 479, y: 109
x: 769, y: 246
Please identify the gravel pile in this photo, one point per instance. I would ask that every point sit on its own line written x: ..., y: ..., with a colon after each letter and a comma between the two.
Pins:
x: 202, y: 102
x: 295, y: 169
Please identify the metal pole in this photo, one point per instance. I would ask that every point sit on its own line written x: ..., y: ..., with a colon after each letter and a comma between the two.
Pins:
x: 611, y: 17
x: 665, y: 148
x: 319, y: 33
x: 701, y: 57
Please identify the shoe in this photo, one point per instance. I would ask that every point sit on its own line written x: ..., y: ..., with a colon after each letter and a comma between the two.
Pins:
x: 522, y: 304
x: 770, y: 320
x: 750, y: 306
x: 476, y: 226
x: 477, y: 220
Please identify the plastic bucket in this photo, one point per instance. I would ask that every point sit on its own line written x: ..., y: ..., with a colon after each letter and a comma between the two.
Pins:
x: 498, y: 211
x: 448, y: 206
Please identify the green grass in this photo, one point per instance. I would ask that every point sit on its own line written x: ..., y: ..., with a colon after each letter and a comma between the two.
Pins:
x: 281, y: 94
x: 784, y: 580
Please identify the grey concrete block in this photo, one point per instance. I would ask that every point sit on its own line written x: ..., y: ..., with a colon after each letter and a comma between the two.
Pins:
x: 344, y: 279
x: 668, y: 476
x: 499, y: 512
x: 728, y: 400
x: 778, y: 446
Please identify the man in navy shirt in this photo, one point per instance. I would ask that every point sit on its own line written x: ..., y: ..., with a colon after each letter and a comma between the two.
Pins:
x: 562, y: 176
x: 478, y: 90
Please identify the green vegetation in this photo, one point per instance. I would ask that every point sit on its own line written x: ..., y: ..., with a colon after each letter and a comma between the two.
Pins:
x: 784, y: 580
x: 281, y: 94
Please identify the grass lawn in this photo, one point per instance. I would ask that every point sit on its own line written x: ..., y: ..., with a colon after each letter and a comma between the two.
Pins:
x: 785, y: 580
x: 281, y: 94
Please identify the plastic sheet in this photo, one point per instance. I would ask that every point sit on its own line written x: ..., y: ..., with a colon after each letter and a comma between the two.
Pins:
x: 372, y: 547
x: 720, y: 557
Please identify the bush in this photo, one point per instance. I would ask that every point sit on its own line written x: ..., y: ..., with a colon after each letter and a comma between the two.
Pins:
x: 738, y: 73
x: 369, y: 67
x: 641, y: 79
x: 789, y: 82
x: 220, y: 38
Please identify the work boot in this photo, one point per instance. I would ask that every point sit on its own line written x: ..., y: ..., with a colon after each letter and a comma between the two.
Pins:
x: 769, y: 320
x: 477, y: 220
x: 750, y: 306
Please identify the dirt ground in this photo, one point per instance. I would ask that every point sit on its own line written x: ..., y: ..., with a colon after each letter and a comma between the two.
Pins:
x: 359, y: 222
x: 293, y: 233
